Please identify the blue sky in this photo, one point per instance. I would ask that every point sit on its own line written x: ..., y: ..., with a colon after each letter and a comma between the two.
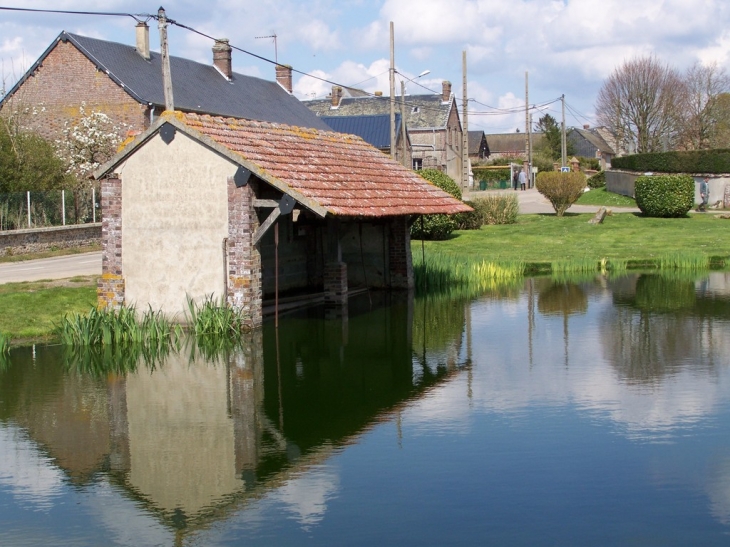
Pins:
x: 566, y: 47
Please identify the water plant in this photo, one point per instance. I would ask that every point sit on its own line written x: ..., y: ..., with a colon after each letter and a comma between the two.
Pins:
x: 211, y: 319
x: 684, y: 261
x: 441, y: 272
x: 4, y: 344
x: 109, y: 327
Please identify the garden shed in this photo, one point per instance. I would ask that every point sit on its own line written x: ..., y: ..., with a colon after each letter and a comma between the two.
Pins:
x: 200, y: 206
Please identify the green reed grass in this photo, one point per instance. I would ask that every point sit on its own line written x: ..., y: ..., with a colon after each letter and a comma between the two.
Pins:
x: 444, y: 273
x: 4, y: 344
x: 214, y: 320
x: 684, y: 261
x: 108, y: 327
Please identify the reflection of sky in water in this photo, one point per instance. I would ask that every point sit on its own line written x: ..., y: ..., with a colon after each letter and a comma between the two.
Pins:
x: 26, y: 473
x: 545, y: 424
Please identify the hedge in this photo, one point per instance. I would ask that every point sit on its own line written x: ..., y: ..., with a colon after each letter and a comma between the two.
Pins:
x: 665, y: 196
x: 694, y: 161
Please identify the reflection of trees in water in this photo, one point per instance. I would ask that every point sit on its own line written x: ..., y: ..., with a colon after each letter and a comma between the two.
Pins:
x: 561, y: 298
x: 656, y: 327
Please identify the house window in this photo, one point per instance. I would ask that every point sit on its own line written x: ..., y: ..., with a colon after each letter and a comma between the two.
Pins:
x: 415, y: 110
x: 417, y: 164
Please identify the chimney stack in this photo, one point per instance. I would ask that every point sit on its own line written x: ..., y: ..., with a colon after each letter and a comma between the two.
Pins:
x: 143, y: 40
x: 283, y: 76
x: 586, y: 126
x: 222, y: 57
x: 445, y: 91
x: 336, y: 95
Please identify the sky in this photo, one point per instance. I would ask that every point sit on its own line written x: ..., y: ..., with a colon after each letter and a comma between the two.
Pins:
x: 558, y: 47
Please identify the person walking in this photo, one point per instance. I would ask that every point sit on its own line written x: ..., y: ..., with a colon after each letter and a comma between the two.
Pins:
x: 523, y: 180
x: 704, y: 194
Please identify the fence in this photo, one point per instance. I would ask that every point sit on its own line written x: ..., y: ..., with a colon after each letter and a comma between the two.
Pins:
x: 22, y: 210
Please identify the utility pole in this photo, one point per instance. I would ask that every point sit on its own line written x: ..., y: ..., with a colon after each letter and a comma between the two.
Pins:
x: 527, y: 165
x: 392, y: 92
x: 563, y: 141
x: 404, y: 144
x: 166, y: 76
x: 465, y: 129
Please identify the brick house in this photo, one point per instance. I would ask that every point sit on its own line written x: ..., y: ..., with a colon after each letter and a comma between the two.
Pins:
x: 247, y: 210
x: 478, y: 146
x: 125, y: 82
x: 433, y: 124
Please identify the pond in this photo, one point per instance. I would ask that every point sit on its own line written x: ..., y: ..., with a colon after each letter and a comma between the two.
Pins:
x: 554, y: 412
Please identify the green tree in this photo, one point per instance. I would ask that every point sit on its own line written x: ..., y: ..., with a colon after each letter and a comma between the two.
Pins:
x: 437, y: 226
x: 27, y: 161
x: 552, y: 135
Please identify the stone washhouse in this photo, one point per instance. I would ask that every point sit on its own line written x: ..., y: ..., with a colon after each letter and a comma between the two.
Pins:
x: 201, y: 207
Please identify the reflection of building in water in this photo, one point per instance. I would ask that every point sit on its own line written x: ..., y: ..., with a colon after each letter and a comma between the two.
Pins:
x: 193, y: 440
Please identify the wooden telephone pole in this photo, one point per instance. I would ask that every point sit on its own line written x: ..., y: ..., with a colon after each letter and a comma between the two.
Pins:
x: 164, y: 52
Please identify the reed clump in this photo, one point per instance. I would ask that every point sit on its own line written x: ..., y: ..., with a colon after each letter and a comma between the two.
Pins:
x: 4, y: 344
x: 109, y: 327
x: 443, y: 273
x: 214, y: 320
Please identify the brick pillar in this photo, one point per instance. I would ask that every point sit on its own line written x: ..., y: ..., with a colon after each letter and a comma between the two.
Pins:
x: 244, y: 260
x: 110, y: 289
x: 335, y: 283
x: 399, y: 254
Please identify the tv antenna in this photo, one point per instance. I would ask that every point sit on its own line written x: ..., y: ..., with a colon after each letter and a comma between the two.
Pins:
x: 276, y: 51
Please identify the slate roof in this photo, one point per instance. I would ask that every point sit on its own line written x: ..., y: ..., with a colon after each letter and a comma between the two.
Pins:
x: 196, y: 87
x: 327, y: 172
x: 475, y: 142
x: 594, y: 139
x: 422, y: 111
x: 373, y: 129
x: 511, y: 143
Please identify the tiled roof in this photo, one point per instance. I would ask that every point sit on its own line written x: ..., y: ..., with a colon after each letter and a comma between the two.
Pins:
x: 341, y: 174
x: 196, y: 87
x: 594, y: 138
x: 475, y: 142
x: 374, y: 130
x: 422, y: 111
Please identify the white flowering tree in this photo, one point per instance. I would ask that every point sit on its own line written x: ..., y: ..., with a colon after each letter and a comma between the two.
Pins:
x: 86, y: 145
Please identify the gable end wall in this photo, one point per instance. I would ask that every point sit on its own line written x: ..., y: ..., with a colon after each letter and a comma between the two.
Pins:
x: 61, y: 85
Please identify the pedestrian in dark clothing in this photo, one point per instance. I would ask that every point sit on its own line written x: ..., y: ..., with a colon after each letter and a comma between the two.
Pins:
x: 704, y: 194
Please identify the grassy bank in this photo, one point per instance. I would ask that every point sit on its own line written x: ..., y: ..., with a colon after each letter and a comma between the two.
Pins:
x: 30, y: 311
x: 540, y: 240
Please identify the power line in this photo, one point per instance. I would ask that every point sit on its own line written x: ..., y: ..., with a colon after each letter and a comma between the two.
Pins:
x: 135, y: 16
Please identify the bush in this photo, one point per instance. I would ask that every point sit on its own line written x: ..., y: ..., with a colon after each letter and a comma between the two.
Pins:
x: 437, y: 226
x: 665, y: 196
x: 495, y: 209
x: 598, y: 180
x: 561, y: 189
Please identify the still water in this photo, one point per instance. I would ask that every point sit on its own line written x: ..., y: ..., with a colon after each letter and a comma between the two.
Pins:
x: 593, y: 412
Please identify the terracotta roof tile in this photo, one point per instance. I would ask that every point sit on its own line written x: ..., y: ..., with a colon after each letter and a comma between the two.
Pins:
x: 341, y: 172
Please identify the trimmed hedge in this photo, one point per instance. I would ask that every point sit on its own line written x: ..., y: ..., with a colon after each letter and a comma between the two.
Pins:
x: 665, y: 196
x: 694, y: 161
x: 598, y: 180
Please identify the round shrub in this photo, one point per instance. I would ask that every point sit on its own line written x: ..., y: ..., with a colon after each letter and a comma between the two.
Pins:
x: 437, y: 226
x: 561, y: 189
x: 665, y: 196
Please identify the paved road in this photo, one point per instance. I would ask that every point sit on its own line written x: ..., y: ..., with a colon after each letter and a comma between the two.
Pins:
x: 59, y: 267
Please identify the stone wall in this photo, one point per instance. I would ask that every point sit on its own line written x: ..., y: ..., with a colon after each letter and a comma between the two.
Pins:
x: 37, y: 240
x: 622, y: 182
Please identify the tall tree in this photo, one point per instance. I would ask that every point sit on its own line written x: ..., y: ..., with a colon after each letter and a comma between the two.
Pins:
x: 702, y: 110
x: 552, y: 135
x: 641, y: 103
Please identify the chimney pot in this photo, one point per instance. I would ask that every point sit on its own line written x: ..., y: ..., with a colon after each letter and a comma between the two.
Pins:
x: 586, y: 126
x: 283, y: 76
x: 336, y: 95
x: 143, y: 40
x: 222, y: 57
x: 445, y: 90
x: 378, y: 93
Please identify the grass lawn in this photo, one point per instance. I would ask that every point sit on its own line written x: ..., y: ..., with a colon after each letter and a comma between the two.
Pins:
x: 547, y: 238
x: 31, y: 310
x: 599, y: 196
x: 49, y: 254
